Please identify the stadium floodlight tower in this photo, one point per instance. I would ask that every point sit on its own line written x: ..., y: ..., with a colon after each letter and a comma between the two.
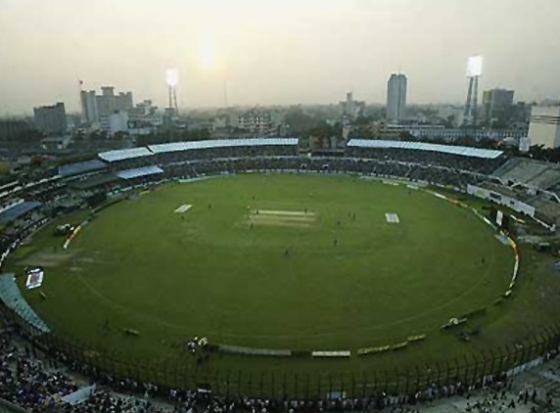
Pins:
x: 172, y: 80
x: 474, y: 71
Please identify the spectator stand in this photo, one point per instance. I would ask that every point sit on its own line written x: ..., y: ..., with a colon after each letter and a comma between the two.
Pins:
x: 18, y: 210
x: 11, y: 296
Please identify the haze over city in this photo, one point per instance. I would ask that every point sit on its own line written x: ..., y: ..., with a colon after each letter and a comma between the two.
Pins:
x: 273, y: 52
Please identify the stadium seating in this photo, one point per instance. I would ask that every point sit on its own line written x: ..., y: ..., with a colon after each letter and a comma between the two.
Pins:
x: 473, y: 160
x: 532, y: 173
x: 12, y: 298
x: 547, y: 210
x: 546, y: 179
x: 139, y: 172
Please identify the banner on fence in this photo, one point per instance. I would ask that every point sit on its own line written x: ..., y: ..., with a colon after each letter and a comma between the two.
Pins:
x: 500, y: 199
x: 330, y: 353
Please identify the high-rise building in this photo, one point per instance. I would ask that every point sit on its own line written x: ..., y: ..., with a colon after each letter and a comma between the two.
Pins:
x: 544, y: 127
x: 96, y: 109
x: 497, y: 105
x: 89, y: 107
x: 396, y: 98
x: 51, y: 119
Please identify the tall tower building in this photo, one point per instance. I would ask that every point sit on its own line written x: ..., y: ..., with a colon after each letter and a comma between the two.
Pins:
x: 396, y: 98
x: 89, y: 106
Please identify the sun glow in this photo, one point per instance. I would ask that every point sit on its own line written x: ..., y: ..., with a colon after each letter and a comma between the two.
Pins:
x: 207, y: 56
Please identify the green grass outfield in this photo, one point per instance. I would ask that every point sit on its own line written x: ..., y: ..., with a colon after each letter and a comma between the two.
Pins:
x: 282, y: 283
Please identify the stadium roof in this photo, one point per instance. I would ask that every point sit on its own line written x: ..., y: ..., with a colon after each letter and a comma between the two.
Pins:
x: 122, y: 154
x: 17, y: 211
x: 421, y: 146
x: 81, y: 167
x: 221, y: 143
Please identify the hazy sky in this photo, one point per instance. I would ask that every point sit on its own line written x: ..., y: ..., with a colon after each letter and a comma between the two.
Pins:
x: 274, y: 51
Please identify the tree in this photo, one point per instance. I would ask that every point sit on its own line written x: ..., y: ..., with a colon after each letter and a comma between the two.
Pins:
x: 37, y: 161
x: 300, y: 122
x: 449, y: 122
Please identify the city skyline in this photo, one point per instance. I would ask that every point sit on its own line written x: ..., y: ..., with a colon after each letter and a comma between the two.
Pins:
x: 271, y: 52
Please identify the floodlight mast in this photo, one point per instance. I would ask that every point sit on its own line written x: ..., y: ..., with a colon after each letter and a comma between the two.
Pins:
x: 172, y: 80
x: 474, y: 71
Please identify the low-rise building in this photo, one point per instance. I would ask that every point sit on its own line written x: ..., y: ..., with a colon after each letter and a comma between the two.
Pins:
x: 259, y: 123
x: 51, y: 120
x: 351, y: 109
x: 118, y: 122
x: 56, y: 143
x: 544, y: 127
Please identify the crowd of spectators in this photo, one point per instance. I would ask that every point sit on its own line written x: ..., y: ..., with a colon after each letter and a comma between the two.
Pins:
x: 174, y: 155
x: 432, y: 167
x: 25, y: 381
x: 39, y: 381
x: 458, y: 162
x: 411, y: 172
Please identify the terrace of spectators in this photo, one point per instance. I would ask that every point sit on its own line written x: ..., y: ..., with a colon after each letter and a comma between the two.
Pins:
x: 410, y: 160
x: 529, y: 172
x: 88, y: 182
x: 472, y: 160
x: 547, y: 210
x: 11, y: 296
x: 139, y: 172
